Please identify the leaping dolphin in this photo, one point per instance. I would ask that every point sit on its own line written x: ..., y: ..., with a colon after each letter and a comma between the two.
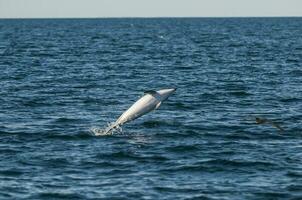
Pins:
x: 266, y: 121
x: 150, y: 101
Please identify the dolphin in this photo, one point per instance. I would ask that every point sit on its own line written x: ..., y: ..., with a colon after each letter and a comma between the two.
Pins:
x: 147, y: 103
x: 266, y: 121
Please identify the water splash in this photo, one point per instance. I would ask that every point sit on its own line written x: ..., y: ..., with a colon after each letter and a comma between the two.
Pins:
x: 110, y: 129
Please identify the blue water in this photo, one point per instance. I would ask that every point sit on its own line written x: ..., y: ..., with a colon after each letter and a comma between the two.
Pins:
x: 59, y: 78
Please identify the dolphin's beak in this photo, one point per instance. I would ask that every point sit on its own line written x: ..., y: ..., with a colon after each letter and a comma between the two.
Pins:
x: 165, y: 93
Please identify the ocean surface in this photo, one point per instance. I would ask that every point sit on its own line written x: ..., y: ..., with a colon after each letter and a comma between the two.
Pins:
x: 59, y: 78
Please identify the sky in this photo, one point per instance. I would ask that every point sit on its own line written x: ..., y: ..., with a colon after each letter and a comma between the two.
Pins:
x: 147, y: 8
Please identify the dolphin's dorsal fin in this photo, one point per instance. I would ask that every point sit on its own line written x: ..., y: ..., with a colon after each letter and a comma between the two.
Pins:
x: 152, y: 92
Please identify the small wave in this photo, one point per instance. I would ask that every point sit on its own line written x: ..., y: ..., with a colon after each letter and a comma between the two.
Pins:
x: 156, y: 123
x: 239, y: 93
x: 153, y: 123
x: 11, y: 172
x: 66, y: 119
x: 58, y: 195
x: 182, y: 106
x: 294, y: 174
x: 79, y: 136
x: 183, y: 148
x: 127, y: 155
x: 294, y: 187
x: 220, y: 165
x: 290, y: 100
x: 108, y: 130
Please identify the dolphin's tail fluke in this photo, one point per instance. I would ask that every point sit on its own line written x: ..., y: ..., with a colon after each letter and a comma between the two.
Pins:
x: 276, y: 126
x: 110, y: 128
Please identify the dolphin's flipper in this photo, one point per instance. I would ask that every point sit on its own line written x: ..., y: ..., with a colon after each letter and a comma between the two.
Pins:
x: 157, y: 106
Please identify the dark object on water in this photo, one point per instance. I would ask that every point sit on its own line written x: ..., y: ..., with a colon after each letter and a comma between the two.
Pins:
x: 266, y: 121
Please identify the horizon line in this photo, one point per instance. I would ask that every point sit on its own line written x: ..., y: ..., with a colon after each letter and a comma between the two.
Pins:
x: 150, y: 17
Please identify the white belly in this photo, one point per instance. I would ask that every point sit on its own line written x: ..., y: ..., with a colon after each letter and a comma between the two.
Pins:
x: 144, y: 105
